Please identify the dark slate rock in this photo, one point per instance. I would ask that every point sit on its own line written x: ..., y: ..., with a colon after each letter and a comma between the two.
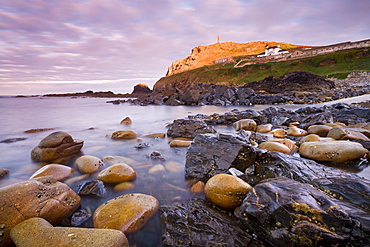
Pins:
x: 188, y: 128
x: 289, y: 213
x: 197, y: 223
x: 11, y: 140
x: 94, y: 187
x: 211, y: 154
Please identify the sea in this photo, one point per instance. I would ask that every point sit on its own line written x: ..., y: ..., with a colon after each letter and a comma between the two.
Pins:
x: 93, y: 120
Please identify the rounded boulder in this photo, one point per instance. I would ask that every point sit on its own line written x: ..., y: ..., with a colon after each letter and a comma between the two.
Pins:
x: 117, y: 173
x: 88, y: 164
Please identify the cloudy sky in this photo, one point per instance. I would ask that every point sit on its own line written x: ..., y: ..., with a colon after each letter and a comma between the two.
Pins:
x: 57, y: 46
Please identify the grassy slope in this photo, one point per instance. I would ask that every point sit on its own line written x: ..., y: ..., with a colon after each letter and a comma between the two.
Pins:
x: 338, y: 65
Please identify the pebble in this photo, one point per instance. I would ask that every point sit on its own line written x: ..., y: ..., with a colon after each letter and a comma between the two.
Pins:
x: 126, y: 121
x: 287, y: 142
x: 279, y: 133
x: 36, y: 232
x: 59, y: 172
x: 4, y: 172
x: 127, y: 213
x: 245, y: 124
x: 88, y: 164
x: 117, y: 173
x: 119, y: 159
x: 180, y: 143
x: 198, y: 187
x: 264, y: 128
x: 226, y: 191
x: 174, y: 167
x: 124, y: 186
x: 156, y: 135
x: 295, y: 131
x: 320, y: 130
x: 346, y: 134
x: 274, y: 146
x: 156, y: 169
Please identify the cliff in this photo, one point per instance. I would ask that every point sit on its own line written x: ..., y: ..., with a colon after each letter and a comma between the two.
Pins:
x: 206, y: 55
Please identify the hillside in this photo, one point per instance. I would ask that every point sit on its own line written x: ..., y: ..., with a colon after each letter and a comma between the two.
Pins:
x: 206, y: 55
x: 337, y: 64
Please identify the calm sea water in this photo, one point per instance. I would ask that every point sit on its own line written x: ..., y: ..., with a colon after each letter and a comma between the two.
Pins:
x: 93, y: 120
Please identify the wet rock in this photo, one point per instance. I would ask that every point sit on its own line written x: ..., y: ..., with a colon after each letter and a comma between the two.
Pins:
x: 77, y: 218
x: 295, y: 131
x: 58, y: 172
x: 117, y: 173
x: 127, y: 213
x: 264, y: 128
x: 142, y: 145
x: 287, y: 142
x: 156, y: 135
x: 198, y: 187
x: 335, y: 151
x: 245, y: 124
x: 155, y: 155
x: 124, y: 186
x: 141, y: 88
x: 88, y: 164
x: 226, y: 191
x: 315, y: 138
x: 12, y: 140
x: 188, y: 128
x: 320, y: 130
x: 54, y: 146
x: 126, y: 121
x: 289, y: 213
x: 211, y: 154
x: 4, y: 172
x: 180, y: 143
x: 94, y: 187
x: 174, y: 167
x: 40, y: 197
x: 275, y: 146
x: 38, y: 130
x: 346, y: 134
x: 156, y: 169
x: 279, y: 133
x: 37, y: 232
x: 123, y: 134
x: 197, y: 223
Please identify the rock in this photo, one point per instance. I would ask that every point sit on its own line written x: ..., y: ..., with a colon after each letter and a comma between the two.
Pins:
x: 54, y: 146
x: 156, y: 155
x: 315, y: 138
x: 156, y: 135
x: 119, y: 159
x: 77, y: 218
x: 126, y: 121
x: 94, y: 187
x: 180, y: 143
x: 142, y: 145
x: 335, y: 151
x: 197, y: 223
x: 130, y: 212
x: 174, y: 167
x: 226, y: 191
x: 36, y: 232
x: 288, y: 213
x: 141, y: 88
x: 274, y: 146
x: 12, y: 140
x: 188, y: 128
x: 198, y: 187
x: 4, y: 172
x: 295, y: 131
x: 245, y: 124
x: 211, y: 154
x: 40, y: 197
x: 58, y: 172
x: 264, y: 128
x: 124, y: 186
x: 320, y: 130
x: 287, y: 142
x: 156, y: 169
x: 88, y: 164
x: 117, y: 173
x: 124, y: 134
x: 346, y: 134
x: 279, y: 133
x: 38, y: 130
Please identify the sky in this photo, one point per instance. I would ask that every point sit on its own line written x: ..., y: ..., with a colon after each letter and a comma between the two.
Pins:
x: 56, y: 46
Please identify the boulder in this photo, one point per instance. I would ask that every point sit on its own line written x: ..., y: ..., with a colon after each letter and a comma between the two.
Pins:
x: 295, y: 131
x: 88, y: 164
x: 226, y: 191
x: 117, y: 173
x: 54, y: 146
x: 188, y: 128
x: 40, y: 197
x: 127, y: 213
x: 334, y: 151
x: 58, y: 172
x: 275, y: 146
x: 347, y: 134
x: 36, y: 232
x: 4, y: 172
x: 126, y: 121
x: 197, y: 223
x: 245, y: 124
x: 180, y: 143
x: 124, y: 134
x: 211, y: 154
x: 320, y: 130
x: 288, y: 213
x: 141, y: 88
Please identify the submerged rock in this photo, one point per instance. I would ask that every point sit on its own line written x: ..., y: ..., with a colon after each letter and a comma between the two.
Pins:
x: 117, y: 173
x: 59, y: 172
x: 56, y: 145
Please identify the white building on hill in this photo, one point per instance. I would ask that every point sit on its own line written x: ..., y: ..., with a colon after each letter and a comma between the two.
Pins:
x: 271, y: 51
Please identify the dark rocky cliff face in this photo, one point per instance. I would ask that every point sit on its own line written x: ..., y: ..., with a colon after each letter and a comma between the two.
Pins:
x: 141, y: 88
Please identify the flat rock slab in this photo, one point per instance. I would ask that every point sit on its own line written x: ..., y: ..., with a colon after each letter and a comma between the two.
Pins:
x: 37, y: 232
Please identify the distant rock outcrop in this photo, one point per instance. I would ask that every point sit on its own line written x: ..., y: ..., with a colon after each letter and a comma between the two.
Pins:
x: 141, y: 88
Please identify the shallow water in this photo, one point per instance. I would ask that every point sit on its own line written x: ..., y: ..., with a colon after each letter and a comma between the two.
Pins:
x: 93, y: 120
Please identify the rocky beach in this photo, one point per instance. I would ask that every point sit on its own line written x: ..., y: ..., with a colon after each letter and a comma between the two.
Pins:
x: 271, y: 177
